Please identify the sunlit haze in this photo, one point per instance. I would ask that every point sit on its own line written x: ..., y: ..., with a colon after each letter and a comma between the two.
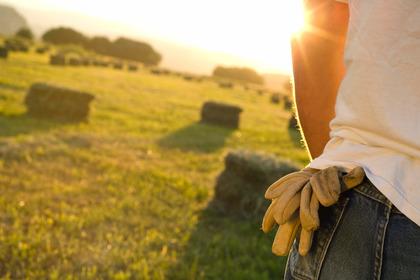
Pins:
x: 257, y: 30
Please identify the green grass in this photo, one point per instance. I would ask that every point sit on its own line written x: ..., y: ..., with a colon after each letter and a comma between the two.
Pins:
x: 124, y: 195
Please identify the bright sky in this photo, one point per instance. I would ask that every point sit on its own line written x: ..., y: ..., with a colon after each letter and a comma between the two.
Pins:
x: 259, y: 30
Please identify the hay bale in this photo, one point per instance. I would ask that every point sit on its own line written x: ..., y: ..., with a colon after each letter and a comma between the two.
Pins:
x: 155, y: 71
x: 240, y: 188
x: 293, y: 123
x: 75, y: 61
x: 15, y: 45
x: 288, y: 103
x: 132, y: 67
x: 220, y: 114
x: 118, y: 65
x: 57, y: 103
x: 3, y: 52
x: 100, y: 63
x: 58, y: 59
x: 24, y: 48
x: 275, y: 98
x: 40, y: 50
x: 85, y: 61
x: 226, y: 85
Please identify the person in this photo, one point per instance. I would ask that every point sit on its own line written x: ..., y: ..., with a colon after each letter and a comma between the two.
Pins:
x: 356, y: 74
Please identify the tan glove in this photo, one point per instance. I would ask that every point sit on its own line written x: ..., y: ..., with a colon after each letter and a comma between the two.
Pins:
x: 324, y: 187
x: 302, y: 190
x: 286, y: 195
x: 330, y: 182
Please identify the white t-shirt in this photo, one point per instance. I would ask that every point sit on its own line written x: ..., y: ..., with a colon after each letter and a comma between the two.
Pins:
x: 377, y: 123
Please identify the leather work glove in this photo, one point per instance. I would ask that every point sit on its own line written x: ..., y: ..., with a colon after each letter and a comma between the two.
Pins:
x: 295, y: 204
x: 285, y: 195
x: 323, y: 188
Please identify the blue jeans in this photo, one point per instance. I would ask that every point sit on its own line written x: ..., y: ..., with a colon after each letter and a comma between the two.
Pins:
x: 363, y: 236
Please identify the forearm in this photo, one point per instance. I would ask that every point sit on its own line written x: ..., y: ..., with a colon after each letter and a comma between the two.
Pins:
x: 318, y: 69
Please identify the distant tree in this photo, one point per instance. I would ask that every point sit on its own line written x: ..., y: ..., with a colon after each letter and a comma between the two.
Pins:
x: 241, y: 74
x: 64, y: 35
x: 138, y: 51
x: 25, y: 33
x: 100, y: 44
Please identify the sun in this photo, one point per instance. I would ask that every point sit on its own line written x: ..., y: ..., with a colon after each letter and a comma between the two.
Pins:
x: 295, y: 16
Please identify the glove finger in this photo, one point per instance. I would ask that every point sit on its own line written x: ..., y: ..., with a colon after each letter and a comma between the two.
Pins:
x: 286, y: 207
x: 353, y: 178
x: 285, y: 236
x: 305, y: 241
x: 281, y: 185
x: 309, y: 222
x: 326, y: 185
x: 268, y: 221
x: 308, y: 171
x: 314, y: 208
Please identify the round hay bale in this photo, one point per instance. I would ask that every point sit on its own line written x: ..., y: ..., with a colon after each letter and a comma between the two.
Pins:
x: 220, y: 114
x: 57, y: 103
x: 240, y: 188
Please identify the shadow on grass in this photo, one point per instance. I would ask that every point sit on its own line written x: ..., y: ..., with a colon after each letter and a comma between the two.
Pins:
x: 13, y: 125
x: 198, y: 136
x: 222, y: 247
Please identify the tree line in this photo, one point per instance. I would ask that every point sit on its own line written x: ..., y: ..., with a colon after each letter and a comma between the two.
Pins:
x: 241, y: 74
x: 123, y: 48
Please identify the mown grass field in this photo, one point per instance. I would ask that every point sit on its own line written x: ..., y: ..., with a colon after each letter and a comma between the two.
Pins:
x: 124, y: 195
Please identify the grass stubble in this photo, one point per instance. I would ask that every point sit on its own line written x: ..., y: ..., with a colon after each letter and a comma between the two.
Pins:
x: 124, y: 195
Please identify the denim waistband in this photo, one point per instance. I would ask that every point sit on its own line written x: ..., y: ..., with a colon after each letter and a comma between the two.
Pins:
x: 367, y: 188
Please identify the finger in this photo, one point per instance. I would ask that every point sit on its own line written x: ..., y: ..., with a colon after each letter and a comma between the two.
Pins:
x: 268, y: 221
x: 286, y: 207
x: 314, y: 207
x: 305, y: 241
x: 353, y: 178
x: 326, y: 185
x: 280, y: 186
x: 306, y: 209
x: 309, y: 171
x: 285, y: 236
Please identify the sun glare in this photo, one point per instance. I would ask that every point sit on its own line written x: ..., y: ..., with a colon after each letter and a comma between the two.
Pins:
x: 295, y: 17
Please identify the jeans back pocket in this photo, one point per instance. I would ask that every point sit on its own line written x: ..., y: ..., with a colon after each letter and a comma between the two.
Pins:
x: 308, y: 267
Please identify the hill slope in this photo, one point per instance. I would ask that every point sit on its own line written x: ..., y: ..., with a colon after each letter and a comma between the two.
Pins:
x: 10, y: 20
